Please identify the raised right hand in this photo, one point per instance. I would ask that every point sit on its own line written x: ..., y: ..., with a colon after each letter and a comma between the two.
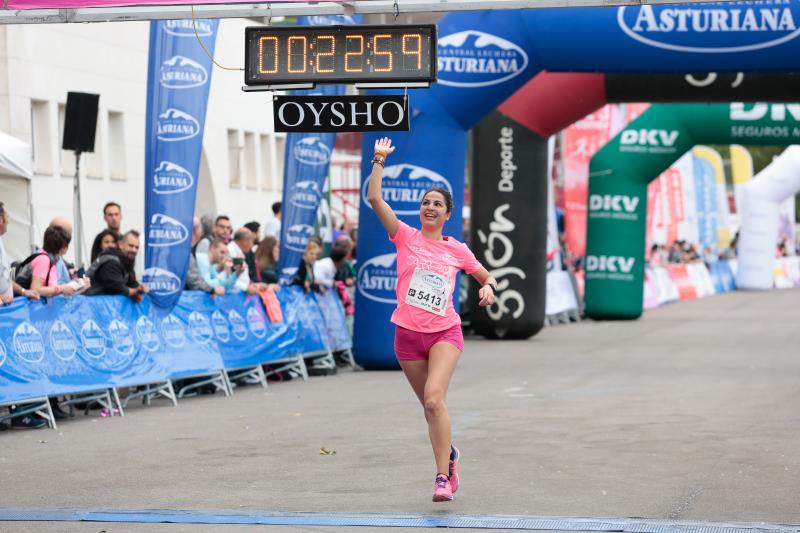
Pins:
x: 383, y: 147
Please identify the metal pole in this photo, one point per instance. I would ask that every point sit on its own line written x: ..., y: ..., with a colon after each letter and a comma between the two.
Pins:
x: 77, y: 234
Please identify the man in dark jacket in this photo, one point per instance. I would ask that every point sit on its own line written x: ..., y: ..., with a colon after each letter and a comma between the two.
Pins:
x: 112, y: 272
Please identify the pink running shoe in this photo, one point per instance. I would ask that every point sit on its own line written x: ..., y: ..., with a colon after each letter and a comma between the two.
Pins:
x: 455, y: 454
x: 441, y: 489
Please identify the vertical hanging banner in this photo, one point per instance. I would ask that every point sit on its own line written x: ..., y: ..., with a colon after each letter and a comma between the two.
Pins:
x: 307, y: 160
x: 178, y: 81
x: 306, y: 163
x: 706, y: 197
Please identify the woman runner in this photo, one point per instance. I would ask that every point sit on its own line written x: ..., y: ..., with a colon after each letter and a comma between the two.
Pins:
x: 428, y: 338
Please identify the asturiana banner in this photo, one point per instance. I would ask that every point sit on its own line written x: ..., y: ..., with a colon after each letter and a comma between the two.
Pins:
x: 179, y: 77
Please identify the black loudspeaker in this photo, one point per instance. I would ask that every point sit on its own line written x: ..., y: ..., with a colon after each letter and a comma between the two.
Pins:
x: 80, y: 122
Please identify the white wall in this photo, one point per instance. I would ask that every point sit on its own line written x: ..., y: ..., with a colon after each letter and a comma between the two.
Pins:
x: 45, y: 62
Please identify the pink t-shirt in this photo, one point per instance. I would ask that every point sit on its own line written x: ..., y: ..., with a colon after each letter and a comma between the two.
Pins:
x: 443, y: 259
x: 39, y: 270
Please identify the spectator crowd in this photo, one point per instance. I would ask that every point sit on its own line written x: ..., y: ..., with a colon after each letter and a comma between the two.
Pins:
x: 221, y: 260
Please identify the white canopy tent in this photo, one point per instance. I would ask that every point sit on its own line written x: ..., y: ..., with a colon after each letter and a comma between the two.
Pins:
x: 761, y: 201
x: 16, y: 172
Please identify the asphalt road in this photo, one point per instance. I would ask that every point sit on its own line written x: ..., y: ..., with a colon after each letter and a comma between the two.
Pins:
x: 691, y: 413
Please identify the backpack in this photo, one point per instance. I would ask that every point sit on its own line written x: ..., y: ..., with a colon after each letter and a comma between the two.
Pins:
x: 24, y: 271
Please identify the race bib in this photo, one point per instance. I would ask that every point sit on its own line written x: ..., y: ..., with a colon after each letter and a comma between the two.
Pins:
x: 428, y: 291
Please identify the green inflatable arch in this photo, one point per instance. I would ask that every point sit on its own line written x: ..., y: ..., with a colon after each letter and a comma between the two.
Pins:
x: 618, y: 178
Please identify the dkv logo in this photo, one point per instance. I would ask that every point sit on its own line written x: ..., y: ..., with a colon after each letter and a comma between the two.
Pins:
x: 62, y: 341
x: 186, y: 28
x: 312, y: 151
x: 712, y: 29
x: 377, y: 279
x: 179, y: 72
x: 650, y: 141
x: 297, y: 236
x: 404, y: 186
x: 165, y: 231
x: 476, y: 59
x: 171, y: 178
x: 305, y: 194
x: 610, y: 267
x: 613, y: 206
x: 93, y: 339
x: 28, y: 343
x: 161, y: 282
x: 757, y: 111
x: 176, y: 125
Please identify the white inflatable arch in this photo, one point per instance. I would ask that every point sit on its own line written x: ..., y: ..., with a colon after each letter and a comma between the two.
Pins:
x: 761, y: 200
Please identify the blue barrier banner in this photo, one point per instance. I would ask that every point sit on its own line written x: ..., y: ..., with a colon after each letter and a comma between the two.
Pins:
x: 179, y: 78
x: 306, y: 163
x: 80, y: 344
x: 722, y: 276
x: 705, y: 182
x: 189, y: 336
x: 307, y: 160
x: 335, y: 321
x: 22, y: 349
x: 301, y: 310
x: 245, y: 335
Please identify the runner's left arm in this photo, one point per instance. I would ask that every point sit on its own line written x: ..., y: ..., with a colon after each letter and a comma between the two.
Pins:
x: 488, y: 286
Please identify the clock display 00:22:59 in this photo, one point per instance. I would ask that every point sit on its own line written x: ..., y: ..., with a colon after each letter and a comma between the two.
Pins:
x: 340, y: 54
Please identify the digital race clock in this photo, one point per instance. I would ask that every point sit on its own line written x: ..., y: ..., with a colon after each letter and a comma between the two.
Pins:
x: 340, y: 54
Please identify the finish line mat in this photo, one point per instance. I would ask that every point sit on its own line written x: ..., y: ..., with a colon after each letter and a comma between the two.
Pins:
x: 531, y: 523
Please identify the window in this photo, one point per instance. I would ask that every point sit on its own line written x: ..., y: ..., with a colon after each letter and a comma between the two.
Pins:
x: 267, y: 159
x: 41, y: 137
x: 116, y: 146
x: 234, y: 159
x: 66, y: 157
x: 280, y: 157
x: 95, y: 164
x: 251, y: 176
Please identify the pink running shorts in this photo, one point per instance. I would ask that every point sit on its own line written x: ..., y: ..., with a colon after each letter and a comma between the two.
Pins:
x: 415, y: 346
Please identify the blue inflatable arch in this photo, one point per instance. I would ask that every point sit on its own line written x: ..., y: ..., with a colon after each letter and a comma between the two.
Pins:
x: 485, y: 57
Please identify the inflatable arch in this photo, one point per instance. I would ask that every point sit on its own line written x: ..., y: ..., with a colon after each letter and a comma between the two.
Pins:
x: 761, y: 200
x: 618, y: 178
x: 485, y: 57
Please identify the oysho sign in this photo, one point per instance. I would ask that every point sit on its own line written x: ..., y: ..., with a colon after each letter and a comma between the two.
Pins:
x: 712, y: 28
x: 404, y: 186
x: 340, y: 113
x: 477, y: 59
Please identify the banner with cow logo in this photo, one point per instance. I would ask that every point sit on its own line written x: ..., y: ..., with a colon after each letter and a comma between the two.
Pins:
x: 179, y: 78
x: 307, y: 160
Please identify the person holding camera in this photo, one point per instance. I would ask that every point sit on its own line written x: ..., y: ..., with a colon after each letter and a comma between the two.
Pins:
x: 216, y: 267
x: 243, y: 241
x: 428, y: 338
